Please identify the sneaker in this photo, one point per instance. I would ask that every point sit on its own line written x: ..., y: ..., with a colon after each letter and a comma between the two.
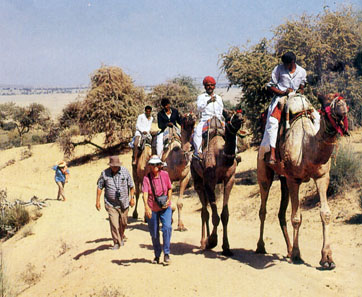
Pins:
x: 122, y: 243
x: 115, y: 247
x: 166, y: 260
x: 156, y: 260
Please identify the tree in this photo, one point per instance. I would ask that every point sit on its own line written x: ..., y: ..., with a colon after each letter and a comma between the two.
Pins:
x: 110, y: 108
x: 181, y: 91
x: 328, y: 46
x: 25, y: 118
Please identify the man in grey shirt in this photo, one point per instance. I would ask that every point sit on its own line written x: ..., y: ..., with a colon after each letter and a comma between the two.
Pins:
x: 119, y: 187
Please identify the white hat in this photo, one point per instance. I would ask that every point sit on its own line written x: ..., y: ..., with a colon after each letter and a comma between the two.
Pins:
x: 154, y: 160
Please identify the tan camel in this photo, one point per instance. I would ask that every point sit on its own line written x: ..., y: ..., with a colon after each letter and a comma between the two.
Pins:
x: 218, y: 165
x: 177, y: 156
x: 140, y: 169
x: 304, y: 154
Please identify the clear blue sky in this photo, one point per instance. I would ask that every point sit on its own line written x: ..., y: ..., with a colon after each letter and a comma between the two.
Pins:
x: 60, y: 43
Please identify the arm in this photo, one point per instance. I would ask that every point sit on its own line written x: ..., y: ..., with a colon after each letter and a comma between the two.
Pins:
x: 169, y: 196
x: 98, y: 199
x: 131, y: 193
x: 148, y: 210
x: 139, y: 123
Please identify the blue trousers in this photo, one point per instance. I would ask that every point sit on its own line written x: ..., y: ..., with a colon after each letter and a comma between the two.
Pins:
x: 165, y: 217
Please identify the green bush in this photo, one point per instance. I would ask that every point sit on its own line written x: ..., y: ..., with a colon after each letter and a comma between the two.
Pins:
x: 345, y: 171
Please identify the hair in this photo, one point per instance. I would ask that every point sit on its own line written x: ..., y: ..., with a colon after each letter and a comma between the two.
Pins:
x: 164, y: 102
x: 148, y: 108
x: 288, y: 58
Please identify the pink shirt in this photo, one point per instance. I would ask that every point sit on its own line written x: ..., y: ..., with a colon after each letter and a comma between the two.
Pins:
x: 146, y: 187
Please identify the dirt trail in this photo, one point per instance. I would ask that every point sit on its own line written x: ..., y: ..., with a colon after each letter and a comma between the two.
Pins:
x: 69, y: 247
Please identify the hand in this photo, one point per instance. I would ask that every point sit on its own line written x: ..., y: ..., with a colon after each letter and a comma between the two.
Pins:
x: 98, y: 206
x: 148, y: 212
x: 131, y: 202
x: 167, y: 204
x: 170, y: 124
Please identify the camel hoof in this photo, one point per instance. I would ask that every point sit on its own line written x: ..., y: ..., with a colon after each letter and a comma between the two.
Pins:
x: 211, y: 241
x: 260, y: 249
x: 227, y: 253
x: 181, y: 229
x: 297, y: 260
x: 135, y: 215
x: 327, y: 266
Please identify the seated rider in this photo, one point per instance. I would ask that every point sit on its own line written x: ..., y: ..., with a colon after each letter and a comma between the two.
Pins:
x: 143, y: 126
x: 208, y: 105
x: 167, y: 117
x: 286, y: 78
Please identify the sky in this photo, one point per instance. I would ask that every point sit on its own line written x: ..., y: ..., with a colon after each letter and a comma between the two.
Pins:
x: 48, y: 43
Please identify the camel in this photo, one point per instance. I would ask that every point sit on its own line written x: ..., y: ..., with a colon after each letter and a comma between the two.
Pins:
x: 218, y: 165
x: 304, y: 153
x: 140, y: 169
x: 177, y: 156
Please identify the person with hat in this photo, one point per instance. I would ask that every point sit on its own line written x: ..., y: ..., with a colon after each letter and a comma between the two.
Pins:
x: 209, y: 105
x: 167, y: 117
x: 118, y: 186
x: 61, y: 178
x: 157, y: 183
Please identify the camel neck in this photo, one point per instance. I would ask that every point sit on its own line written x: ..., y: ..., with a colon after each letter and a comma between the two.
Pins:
x: 326, y: 140
x: 230, y: 143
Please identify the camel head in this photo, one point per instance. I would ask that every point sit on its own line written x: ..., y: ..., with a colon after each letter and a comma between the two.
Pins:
x: 335, y: 110
x: 235, y: 121
x: 188, y: 121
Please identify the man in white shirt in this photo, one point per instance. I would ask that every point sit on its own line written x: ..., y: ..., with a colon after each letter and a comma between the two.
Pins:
x: 209, y: 105
x: 286, y: 78
x: 143, y: 126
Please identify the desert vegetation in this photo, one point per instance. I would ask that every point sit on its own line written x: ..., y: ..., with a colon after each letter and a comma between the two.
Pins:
x: 327, y: 45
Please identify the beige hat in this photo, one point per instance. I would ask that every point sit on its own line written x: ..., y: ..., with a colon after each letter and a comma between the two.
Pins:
x: 114, y: 161
x: 61, y: 164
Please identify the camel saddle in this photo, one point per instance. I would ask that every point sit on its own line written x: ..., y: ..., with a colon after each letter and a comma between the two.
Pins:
x: 146, y: 139
x: 212, y: 127
x: 170, y: 134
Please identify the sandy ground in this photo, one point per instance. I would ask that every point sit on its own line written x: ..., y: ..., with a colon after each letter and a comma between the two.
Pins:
x: 70, y: 256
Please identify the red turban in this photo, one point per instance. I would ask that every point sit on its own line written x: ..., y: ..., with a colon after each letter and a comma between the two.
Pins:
x: 209, y: 80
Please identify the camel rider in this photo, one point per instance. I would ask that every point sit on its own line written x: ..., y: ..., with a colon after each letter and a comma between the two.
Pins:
x: 143, y: 126
x: 286, y: 78
x: 167, y: 117
x: 209, y: 105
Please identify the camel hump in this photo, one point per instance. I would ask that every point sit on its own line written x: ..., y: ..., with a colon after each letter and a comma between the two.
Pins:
x: 297, y: 103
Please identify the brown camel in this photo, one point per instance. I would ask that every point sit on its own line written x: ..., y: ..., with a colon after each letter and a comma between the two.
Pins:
x: 177, y: 156
x: 140, y: 169
x: 218, y: 165
x: 304, y: 154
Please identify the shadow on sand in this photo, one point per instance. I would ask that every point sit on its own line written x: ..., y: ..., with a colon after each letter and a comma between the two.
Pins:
x: 128, y: 262
x: 91, y: 251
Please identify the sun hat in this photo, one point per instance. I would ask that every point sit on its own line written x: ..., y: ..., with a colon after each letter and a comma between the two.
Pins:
x: 154, y: 160
x: 61, y: 164
x: 114, y: 161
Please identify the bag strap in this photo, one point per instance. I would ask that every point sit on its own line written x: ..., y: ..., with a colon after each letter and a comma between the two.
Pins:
x: 152, y: 188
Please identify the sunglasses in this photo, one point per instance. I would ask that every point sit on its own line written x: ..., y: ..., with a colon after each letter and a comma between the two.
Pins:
x: 158, y: 164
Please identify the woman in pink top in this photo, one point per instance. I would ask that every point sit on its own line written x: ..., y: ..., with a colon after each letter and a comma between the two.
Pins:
x: 161, y: 183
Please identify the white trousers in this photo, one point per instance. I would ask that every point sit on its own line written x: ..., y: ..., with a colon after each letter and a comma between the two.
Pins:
x: 159, y: 145
x: 198, y: 136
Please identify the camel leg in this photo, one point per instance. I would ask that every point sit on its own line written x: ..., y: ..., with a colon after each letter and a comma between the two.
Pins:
x: 225, y: 217
x: 265, y: 180
x: 296, y: 218
x: 137, y: 194
x: 205, y: 231
x: 210, y: 193
x: 183, y: 184
x: 325, y: 213
x: 282, y: 211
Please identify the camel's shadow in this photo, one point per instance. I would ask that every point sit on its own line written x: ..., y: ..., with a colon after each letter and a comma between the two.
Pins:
x: 128, y: 262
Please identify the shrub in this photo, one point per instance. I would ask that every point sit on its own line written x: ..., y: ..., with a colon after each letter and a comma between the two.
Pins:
x: 30, y: 276
x: 17, y: 217
x: 345, y: 171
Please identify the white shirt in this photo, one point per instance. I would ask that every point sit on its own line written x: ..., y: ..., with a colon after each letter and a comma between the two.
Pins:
x: 211, y: 109
x: 283, y: 79
x: 143, y: 124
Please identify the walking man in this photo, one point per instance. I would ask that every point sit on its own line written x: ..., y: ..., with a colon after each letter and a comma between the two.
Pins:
x: 119, y: 187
